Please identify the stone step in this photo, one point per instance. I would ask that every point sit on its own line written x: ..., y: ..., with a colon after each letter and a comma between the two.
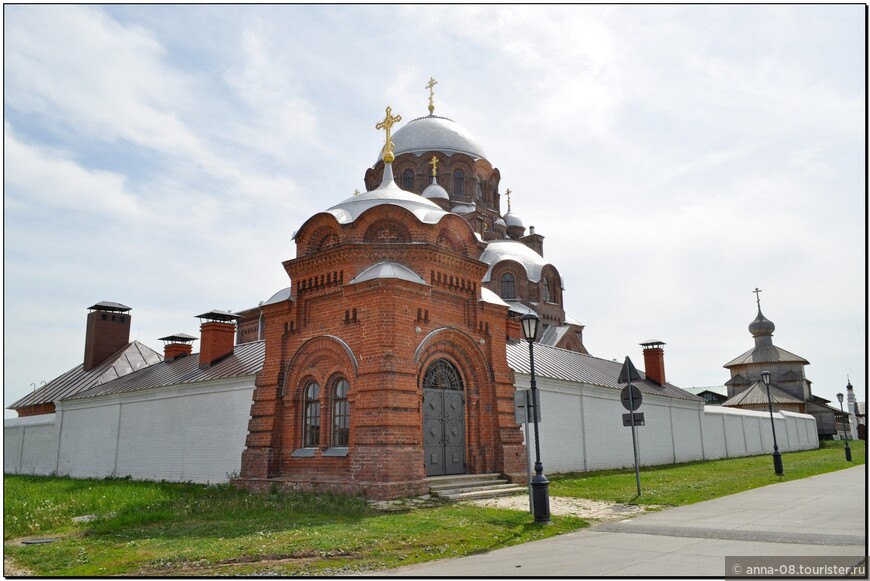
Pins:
x: 466, y: 484
x: 461, y: 477
x: 472, y: 487
x: 488, y: 493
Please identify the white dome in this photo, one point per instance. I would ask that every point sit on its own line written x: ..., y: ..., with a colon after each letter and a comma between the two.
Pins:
x: 499, y: 250
x: 513, y: 220
x: 435, y: 192
x: 500, y: 222
x: 436, y: 134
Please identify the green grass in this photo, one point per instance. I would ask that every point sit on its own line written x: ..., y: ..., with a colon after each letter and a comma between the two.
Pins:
x: 679, y: 484
x: 170, y: 529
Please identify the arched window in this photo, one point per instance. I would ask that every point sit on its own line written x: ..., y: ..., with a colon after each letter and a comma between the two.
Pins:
x: 458, y: 183
x: 311, y: 432
x: 508, y: 286
x: 408, y: 180
x: 546, y: 289
x: 442, y: 375
x: 340, y: 415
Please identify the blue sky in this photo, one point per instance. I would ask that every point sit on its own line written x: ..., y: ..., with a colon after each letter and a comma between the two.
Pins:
x: 674, y: 157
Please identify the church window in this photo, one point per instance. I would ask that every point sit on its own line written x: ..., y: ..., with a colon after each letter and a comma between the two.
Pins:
x: 408, y: 180
x: 442, y: 375
x: 458, y: 183
x: 311, y: 436
x: 546, y: 290
x: 508, y: 286
x: 341, y: 415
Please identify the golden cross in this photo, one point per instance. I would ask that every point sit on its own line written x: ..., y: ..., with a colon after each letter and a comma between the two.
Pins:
x: 434, y: 164
x: 431, y: 86
x: 387, y: 123
x: 508, y: 194
x: 757, y: 298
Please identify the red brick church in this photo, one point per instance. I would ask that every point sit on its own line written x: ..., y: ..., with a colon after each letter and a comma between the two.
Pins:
x: 385, y: 361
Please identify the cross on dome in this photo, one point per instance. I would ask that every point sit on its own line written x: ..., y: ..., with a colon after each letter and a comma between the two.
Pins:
x: 508, y: 194
x: 434, y: 164
x: 387, y: 124
x: 431, y: 86
x: 757, y: 298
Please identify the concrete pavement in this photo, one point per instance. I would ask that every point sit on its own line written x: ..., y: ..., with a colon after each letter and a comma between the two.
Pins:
x: 822, y: 515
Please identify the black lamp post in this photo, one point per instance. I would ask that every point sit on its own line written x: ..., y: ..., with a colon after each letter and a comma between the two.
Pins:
x: 848, y: 450
x: 540, y: 484
x: 777, y: 457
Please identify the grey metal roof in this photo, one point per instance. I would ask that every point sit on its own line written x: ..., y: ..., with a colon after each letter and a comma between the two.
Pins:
x: 488, y: 296
x: 434, y: 191
x: 133, y: 356
x: 388, y: 269
x: 347, y: 211
x: 179, y: 338
x: 553, y: 334
x: 434, y: 133
x: 567, y: 365
x: 216, y: 315
x: 499, y: 250
x: 766, y: 354
x: 719, y: 389
x: 247, y: 359
x: 281, y: 295
x: 757, y: 394
x: 109, y: 306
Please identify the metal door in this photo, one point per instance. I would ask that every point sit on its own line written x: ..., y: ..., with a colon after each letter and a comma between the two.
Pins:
x: 443, y: 432
x: 443, y: 420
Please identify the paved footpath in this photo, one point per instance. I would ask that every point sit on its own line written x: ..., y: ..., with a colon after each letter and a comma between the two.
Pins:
x: 822, y: 515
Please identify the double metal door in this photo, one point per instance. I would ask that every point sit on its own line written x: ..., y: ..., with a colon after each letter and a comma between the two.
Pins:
x: 444, y: 431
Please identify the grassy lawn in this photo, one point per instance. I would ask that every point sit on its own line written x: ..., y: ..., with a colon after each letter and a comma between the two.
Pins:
x: 167, y: 529
x: 170, y: 529
x: 679, y: 484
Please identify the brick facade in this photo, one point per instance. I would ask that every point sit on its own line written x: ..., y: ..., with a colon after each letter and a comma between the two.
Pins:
x: 380, y: 336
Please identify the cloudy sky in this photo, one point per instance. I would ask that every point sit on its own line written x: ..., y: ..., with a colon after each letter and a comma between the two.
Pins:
x: 674, y: 157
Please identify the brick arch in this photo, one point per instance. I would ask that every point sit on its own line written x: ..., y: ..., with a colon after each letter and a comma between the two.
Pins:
x: 456, y: 234
x: 323, y: 238
x: 521, y: 280
x: 319, y: 359
x: 448, y: 239
x: 550, y: 273
x: 464, y: 352
x: 387, y: 230
x: 319, y: 232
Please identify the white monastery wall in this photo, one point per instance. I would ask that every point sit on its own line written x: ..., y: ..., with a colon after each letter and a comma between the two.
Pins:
x: 581, y: 429
x: 194, y: 432
x: 30, y: 445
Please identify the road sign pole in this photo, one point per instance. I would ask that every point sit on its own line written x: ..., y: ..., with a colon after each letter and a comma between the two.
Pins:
x: 529, y: 453
x: 634, y: 436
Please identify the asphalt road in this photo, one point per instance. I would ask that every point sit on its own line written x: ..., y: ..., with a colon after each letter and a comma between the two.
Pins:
x: 822, y: 515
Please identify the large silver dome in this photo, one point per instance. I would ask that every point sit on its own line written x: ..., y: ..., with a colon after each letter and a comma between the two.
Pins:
x: 435, y: 133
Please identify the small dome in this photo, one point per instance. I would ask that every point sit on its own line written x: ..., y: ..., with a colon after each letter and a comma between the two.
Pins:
x: 435, y: 133
x: 499, y: 250
x: 513, y: 220
x: 761, y: 326
x: 500, y: 222
x: 435, y: 192
x: 462, y: 208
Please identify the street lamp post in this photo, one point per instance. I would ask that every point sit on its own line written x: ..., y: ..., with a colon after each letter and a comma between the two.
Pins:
x: 846, y: 430
x: 540, y: 484
x: 777, y: 457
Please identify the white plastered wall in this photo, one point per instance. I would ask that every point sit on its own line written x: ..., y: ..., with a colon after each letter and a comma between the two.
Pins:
x: 193, y: 432
x: 581, y: 429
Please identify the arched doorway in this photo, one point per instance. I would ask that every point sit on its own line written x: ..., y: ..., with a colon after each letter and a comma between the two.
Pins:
x: 443, y: 419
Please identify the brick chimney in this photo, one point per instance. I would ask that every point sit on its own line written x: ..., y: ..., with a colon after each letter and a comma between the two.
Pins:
x: 654, y: 360
x: 177, y: 346
x: 217, y: 336
x: 108, y: 331
x: 534, y: 241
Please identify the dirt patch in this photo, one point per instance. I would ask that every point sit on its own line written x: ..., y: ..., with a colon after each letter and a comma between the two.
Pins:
x: 10, y: 569
x: 580, y: 507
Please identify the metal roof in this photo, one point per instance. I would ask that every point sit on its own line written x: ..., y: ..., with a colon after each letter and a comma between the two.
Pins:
x: 109, y: 306
x: 179, y: 338
x: 766, y: 354
x: 498, y: 250
x: 757, y: 394
x: 247, y: 359
x: 133, y: 356
x: 216, y: 315
x: 567, y: 365
x: 388, y: 269
x: 553, y: 334
x: 717, y: 389
x: 434, y: 133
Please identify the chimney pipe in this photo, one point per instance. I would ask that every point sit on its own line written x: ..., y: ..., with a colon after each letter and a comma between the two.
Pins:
x: 217, y: 336
x: 108, y: 331
x: 177, y: 346
x: 654, y: 360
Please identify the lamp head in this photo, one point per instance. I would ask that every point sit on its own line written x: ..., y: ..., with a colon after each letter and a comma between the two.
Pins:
x: 765, y: 378
x: 840, y: 397
x: 530, y: 323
